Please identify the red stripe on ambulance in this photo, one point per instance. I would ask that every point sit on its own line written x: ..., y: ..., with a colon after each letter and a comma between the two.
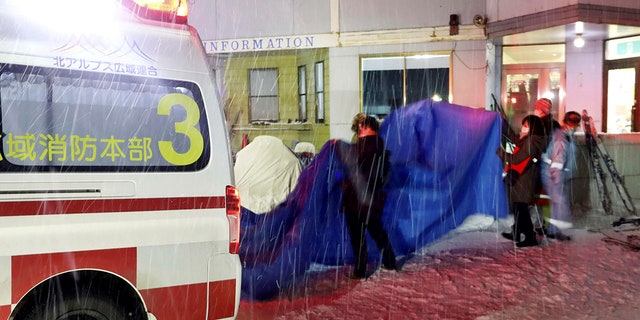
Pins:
x: 26, y: 208
x: 5, y: 311
x: 165, y: 303
x: 29, y: 270
x: 186, y: 301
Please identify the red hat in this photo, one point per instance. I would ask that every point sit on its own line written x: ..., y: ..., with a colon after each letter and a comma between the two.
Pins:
x: 543, y: 106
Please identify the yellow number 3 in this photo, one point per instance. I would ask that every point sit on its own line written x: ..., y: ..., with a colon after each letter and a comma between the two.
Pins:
x: 186, y: 127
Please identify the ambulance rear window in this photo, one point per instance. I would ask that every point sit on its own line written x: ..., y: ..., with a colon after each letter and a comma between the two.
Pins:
x: 68, y: 120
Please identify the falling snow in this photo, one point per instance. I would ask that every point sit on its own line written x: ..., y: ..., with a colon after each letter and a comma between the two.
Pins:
x: 473, y: 273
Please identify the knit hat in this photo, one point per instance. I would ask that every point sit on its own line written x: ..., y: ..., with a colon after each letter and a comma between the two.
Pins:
x: 543, y: 106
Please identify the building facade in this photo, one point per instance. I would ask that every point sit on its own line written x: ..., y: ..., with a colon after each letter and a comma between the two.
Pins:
x: 300, y: 70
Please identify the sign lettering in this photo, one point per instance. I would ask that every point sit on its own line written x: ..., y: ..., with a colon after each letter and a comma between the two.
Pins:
x: 271, y: 43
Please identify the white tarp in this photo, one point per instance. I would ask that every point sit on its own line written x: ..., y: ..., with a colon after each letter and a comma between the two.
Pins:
x: 305, y: 147
x: 266, y: 171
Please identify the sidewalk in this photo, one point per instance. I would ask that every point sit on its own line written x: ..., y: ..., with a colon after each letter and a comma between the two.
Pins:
x: 474, y: 273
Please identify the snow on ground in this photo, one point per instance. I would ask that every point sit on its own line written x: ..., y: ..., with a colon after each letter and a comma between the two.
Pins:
x: 473, y: 273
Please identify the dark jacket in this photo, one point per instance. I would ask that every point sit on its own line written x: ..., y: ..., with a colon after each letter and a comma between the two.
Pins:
x: 366, y: 177
x: 550, y: 124
x: 528, y: 184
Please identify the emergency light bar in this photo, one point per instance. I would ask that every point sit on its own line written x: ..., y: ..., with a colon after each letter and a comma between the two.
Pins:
x: 174, y: 11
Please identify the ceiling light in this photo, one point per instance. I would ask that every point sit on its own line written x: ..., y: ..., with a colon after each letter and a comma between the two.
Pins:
x: 578, y: 41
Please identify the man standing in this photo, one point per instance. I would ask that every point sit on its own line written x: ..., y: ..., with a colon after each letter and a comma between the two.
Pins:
x: 542, y: 109
x: 558, y: 163
x: 363, y: 196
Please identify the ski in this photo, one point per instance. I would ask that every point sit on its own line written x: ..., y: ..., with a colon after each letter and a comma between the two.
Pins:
x: 618, y: 182
x: 622, y: 221
x: 628, y: 238
x: 594, y: 157
x: 595, y: 154
x: 496, y: 106
x: 507, y: 131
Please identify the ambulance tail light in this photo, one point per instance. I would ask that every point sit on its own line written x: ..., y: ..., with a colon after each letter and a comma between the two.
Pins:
x: 174, y: 11
x: 233, y: 215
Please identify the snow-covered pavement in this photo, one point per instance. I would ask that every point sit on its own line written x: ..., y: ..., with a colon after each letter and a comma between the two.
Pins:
x: 474, y: 273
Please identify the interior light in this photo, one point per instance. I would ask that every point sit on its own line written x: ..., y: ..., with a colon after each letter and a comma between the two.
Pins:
x: 549, y: 95
x: 579, y: 27
x: 578, y: 41
x: 436, y: 97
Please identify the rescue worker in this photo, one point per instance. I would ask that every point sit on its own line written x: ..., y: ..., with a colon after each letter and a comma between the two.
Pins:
x: 363, y: 196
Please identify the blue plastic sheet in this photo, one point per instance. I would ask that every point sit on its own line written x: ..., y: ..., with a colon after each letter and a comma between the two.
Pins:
x: 444, y: 168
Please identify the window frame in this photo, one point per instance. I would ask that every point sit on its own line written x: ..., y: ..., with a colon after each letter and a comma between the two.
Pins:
x: 302, y: 93
x: 319, y: 87
x: 260, y: 99
x: 398, y: 62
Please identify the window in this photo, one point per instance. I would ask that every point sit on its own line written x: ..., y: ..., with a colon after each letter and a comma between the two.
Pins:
x: 64, y: 120
x: 621, y: 99
x: 395, y: 81
x: 319, y: 92
x: 525, y: 84
x: 263, y: 95
x: 302, y: 93
x: 622, y: 68
x: 623, y: 48
x: 530, y: 73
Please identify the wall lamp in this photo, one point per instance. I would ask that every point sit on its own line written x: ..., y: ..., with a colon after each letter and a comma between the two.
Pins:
x: 578, y: 41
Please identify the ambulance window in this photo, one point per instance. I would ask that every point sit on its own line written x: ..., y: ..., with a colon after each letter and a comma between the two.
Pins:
x: 81, y: 121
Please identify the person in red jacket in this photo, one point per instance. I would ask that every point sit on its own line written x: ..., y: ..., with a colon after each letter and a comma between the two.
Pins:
x: 523, y: 179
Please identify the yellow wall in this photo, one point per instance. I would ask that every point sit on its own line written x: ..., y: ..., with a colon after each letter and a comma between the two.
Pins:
x: 236, y: 96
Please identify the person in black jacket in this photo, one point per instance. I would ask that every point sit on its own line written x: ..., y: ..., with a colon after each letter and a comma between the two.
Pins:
x: 542, y: 109
x: 523, y: 179
x: 363, y: 196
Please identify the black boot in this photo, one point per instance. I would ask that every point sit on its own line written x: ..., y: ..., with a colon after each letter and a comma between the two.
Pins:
x: 508, y: 235
x: 529, y: 241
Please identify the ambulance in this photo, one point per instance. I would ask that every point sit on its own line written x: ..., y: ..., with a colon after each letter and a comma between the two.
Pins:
x: 117, y: 197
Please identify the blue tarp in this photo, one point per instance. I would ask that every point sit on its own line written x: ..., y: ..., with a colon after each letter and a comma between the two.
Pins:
x: 444, y: 168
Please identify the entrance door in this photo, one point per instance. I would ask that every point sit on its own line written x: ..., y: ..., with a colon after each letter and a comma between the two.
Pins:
x: 620, y: 100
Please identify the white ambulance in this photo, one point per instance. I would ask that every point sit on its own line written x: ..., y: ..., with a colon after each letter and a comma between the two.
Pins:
x: 116, y: 181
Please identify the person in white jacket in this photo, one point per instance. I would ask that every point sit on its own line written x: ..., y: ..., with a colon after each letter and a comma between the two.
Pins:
x: 558, y: 163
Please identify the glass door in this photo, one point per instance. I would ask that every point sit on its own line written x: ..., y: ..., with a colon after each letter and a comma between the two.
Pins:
x: 621, y: 80
x: 620, y: 114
